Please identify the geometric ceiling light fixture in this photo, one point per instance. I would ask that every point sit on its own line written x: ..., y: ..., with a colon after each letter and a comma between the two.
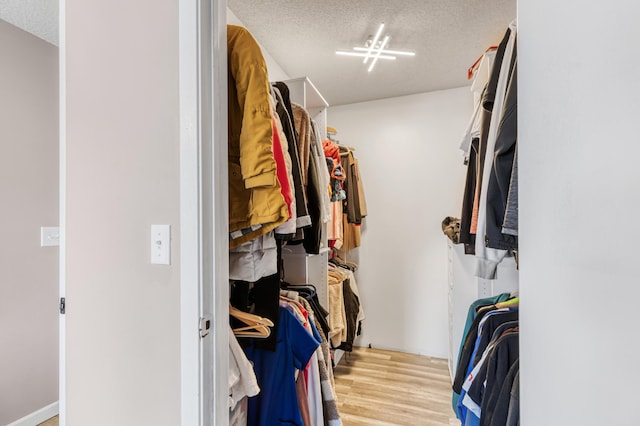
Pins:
x: 374, y: 49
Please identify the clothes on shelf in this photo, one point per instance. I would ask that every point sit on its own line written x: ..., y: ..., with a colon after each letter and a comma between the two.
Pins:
x: 487, y: 374
x: 488, y: 224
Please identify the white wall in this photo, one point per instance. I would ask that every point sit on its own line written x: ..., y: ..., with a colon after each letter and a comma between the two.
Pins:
x: 122, y: 175
x: 579, y: 204
x: 29, y: 194
x: 407, y: 148
x: 276, y: 73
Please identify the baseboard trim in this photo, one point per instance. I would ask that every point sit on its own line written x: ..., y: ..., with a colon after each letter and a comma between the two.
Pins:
x: 38, y: 416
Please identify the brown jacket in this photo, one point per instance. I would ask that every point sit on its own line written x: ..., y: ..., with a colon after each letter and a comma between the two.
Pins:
x: 254, y: 191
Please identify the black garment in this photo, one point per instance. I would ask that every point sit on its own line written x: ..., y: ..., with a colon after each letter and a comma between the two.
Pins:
x: 500, y: 364
x: 321, y: 313
x: 514, y: 405
x: 351, y: 204
x: 501, y: 409
x: 492, y: 85
x: 510, y: 225
x: 286, y: 98
x: 264, y: 295
x: 500, y: 179
x: 465, y: 354
x: 505, y: 353
x: 502, y: 328
x: 466, y: 237
x: 337, y: 262
x: 482, y: 150
x: 309, y: 292
x: 351, y: 306
x: 284, y: 111
x: 488, y: 98
x: 313, y: 234
x: 491, y: 325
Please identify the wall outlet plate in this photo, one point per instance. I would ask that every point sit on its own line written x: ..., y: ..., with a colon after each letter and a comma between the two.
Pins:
x: 49, y: 236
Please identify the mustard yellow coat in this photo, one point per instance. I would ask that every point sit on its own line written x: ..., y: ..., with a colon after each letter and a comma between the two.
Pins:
x: 255, y: 196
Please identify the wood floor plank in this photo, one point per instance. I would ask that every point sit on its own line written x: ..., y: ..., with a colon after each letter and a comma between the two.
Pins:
x: 380, y: 387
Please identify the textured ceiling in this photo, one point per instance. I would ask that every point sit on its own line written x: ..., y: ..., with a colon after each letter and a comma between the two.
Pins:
x: 39, y: 17
x: 447, y: 36
x: 303, y: 35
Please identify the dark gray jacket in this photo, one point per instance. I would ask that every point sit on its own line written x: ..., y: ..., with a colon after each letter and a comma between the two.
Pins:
x: 500, y: 179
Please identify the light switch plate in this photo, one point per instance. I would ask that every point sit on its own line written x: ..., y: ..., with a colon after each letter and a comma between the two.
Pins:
x: 49, y: 236
x: 161, y: 244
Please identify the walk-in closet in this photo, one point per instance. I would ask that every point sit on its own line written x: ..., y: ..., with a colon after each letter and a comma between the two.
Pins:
x: 318, y: 213
x: 393, y: 291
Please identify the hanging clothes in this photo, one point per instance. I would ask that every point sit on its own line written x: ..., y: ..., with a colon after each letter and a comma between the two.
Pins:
x: 283, y: 162
x: 352, y: 182
x: 322, y: 181
x: 287, y: 230
x: 256, y: 204
x: 313, y: 234
x: 317, y: 153
x: 499, y: 413
x: 500, y: 179
x: 484, y: 389
x: 488, y: 258
x: 277, y: 402
x: 488, y: 363
x: 302, y: 123
x: 487, y: 102
x: 242, y: 383
x: 262, y: 298
x: 351, y: 312
x: 337, y: 312
x: 351, y: 234
x: 285, y: 112
x: 336, y: 172
x: 510, y: 224
x: 327, y: 385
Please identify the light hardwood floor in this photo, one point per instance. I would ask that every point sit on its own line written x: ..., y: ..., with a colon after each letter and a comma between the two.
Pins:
x: 51, y: 422
x: 378, y: 387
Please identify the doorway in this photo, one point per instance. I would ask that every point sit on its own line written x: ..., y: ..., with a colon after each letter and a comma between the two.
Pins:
x: 28, y: 258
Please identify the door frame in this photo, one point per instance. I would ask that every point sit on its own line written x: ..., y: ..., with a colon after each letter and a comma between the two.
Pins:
x: 62, y: 194
x: 203, y: 212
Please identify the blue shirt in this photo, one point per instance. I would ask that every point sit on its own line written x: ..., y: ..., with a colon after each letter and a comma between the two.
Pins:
x: 277, y: 402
